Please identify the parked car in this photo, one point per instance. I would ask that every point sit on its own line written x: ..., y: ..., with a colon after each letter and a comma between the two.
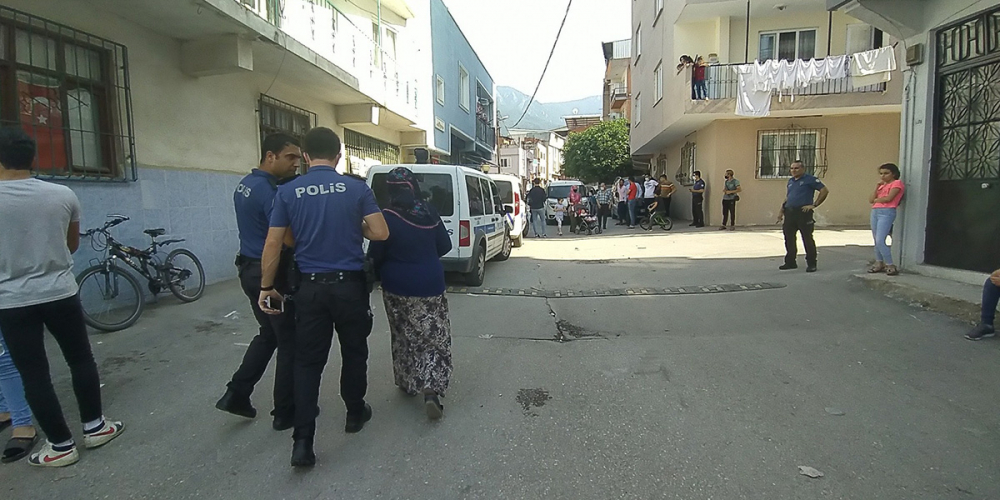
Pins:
x: 561, y: 189
x: 470, y: 206
x: 513, y: 200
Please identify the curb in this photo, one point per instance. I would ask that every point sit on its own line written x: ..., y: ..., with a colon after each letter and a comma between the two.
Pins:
x: 958, y: 308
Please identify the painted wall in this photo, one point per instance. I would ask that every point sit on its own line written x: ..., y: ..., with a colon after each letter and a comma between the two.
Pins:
x: 451, y: 48
x: 856, y: 146
x: 695, y: 39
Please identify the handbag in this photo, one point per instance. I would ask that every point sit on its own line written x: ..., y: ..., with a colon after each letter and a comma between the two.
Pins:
x: 737, y: 198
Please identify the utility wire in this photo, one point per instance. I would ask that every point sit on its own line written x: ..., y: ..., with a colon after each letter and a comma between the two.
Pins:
x: 553, y: 51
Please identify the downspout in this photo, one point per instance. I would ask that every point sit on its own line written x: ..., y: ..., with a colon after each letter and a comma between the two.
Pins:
x: 829, y: 32
x: 746, y: 54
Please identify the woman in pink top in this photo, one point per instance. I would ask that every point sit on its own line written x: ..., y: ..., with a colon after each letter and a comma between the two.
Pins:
x: 885, y: 200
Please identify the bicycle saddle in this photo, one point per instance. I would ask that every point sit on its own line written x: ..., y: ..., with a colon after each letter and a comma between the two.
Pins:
x: 155, y: 232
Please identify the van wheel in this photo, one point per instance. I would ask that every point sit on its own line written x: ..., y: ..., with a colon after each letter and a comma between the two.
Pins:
x: 505, y: 251
x: 477, y: 274
x: 517, y: 242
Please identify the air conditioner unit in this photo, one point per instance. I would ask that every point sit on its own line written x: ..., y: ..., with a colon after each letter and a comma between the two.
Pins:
x: 915, y: 54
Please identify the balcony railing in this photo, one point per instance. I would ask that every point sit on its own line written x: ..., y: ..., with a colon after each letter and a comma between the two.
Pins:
x: 318, y: 24
x: 485, y: 133
x: 619, y: 91
x: 723, y: 83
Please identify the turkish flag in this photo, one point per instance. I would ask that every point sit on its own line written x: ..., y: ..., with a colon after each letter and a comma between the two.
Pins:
x: 41, y: 117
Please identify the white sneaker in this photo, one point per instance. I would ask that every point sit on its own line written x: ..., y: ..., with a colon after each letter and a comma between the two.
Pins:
x: 110, y: 430
x: 47, y: 457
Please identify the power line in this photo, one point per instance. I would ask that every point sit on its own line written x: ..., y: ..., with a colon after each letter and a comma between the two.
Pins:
x: 546, y: 68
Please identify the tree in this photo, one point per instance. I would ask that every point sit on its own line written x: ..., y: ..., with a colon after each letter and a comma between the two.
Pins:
x: 599, y: 153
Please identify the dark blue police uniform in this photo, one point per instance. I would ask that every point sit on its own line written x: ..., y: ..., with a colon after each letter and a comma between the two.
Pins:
x: 697, y: 202
x: 324, y: 211
x: 801, y: 192
x: 254, y: 201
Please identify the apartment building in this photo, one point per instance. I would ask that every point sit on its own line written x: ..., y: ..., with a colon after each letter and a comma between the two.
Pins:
x: 841, y: 132
x: 156, y: 109
x: 617, y: 80
x: 950, y: 153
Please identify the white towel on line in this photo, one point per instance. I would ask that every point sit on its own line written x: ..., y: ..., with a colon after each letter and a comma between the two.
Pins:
x: 872, y: 67
x: 749, y: 100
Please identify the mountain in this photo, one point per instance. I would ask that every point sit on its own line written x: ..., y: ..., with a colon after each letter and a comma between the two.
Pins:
x: 541, y: 116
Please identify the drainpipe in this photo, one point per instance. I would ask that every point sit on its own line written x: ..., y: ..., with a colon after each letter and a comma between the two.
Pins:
x: 829, y: 32
x: 746, y: 55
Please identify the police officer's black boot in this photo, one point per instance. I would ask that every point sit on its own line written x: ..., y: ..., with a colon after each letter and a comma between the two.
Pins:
x: 356, y: 422
x: 236, y: 404
x: 302, y: 453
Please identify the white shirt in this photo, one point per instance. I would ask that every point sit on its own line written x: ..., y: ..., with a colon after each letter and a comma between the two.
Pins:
x: 650, y: 186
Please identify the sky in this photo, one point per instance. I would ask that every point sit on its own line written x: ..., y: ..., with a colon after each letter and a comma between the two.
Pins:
x: 513, y: 38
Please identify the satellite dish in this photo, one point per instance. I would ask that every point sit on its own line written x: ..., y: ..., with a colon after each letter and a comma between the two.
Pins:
x: 576, y: 111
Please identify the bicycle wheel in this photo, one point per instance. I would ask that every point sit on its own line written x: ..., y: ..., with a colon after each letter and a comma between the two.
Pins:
x: 646, y: 223
x: 184, y: 275
x: 666, y: 223
x: 112, y: 299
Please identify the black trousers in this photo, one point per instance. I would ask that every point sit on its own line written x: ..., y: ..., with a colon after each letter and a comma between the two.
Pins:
x: 623, y: 217
x: 798, y: 221
x: 603, y: 213
x: 23, y: 330
x: 729, y: 212
x: 698, y: 214
x: 276, y: 333
x: 321, y: 309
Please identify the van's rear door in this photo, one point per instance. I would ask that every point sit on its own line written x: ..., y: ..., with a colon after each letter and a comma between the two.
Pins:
x: 438, y: 189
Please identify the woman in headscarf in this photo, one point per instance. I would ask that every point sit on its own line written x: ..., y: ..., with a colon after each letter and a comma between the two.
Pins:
x: 413, y: 291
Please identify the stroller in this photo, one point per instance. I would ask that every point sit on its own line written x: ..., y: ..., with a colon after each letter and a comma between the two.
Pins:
x: 587, y: 222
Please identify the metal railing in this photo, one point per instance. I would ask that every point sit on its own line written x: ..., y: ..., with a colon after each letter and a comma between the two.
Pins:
x: 722, y: 82
x: 485, y: 133
x: 319, y: 25
x: 619, y: 91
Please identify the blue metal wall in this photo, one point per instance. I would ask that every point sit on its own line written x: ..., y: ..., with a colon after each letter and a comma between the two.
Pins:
x: 449, y: 48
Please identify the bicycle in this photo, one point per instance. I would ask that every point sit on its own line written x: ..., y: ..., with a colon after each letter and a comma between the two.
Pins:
x: 656, y: 219
x: 112, y: 297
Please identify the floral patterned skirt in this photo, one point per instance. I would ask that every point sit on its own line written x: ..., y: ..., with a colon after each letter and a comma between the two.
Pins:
x: 421, y: 342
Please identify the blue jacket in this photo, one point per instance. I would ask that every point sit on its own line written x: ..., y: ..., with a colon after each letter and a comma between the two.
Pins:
x: 409, y: 262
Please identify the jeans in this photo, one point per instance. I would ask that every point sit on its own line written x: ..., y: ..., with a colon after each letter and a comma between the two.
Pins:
x: 12, y: 391
x: 697, y: 212
x: 276, y: 333
x: 797, y: 221
x: 991, y: 297
x: 881, y: 220
x: 321, y: 308
x: 538, y: 221
x: 23, y: 329
x: 729, y: 212
x: 631, y: 211
x: 699, y: 90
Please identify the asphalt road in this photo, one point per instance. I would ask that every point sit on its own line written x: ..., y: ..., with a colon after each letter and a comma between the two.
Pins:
x: 694, y: 395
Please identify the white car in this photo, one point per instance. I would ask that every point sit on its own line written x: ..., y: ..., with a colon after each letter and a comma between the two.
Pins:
x: 470, y: 206
x: 513, y: 199
x: 561, y: 189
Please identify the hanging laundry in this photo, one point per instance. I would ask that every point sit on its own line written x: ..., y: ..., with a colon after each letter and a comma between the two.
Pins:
x: 809, y: 72
x: 749, y: 100
x: 872, y: 67
x: 835, y: 67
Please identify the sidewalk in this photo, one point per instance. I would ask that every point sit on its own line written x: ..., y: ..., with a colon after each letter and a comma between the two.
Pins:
x: 960, y: 300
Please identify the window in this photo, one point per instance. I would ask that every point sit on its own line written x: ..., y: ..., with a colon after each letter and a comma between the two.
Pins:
x: 68, y: 91
x: 277, y: 116
x: 504, y: 163
x: 439, y: 90
x: 638, y: 43
x: 658, y: 7
x: 788, y: 45
x: 465, y: 87
x: 435, y: 188
x: 685, y: 173
x: 777, y: 149
x: 658, y: 83
x: 638, y: 108
x: 476, y: 205
x: 363, y: 151
x: 485, y: 186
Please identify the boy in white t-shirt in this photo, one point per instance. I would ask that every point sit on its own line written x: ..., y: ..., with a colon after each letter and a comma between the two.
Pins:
x: 560, y: 210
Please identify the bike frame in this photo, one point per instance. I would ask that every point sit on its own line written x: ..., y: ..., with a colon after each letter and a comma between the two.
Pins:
x: 140, y: 263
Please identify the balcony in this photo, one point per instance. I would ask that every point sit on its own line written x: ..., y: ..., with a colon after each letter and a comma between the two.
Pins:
x: 619, y: 95
x: 321, y: 27
x: 722, y: 83
x: 486, y: 133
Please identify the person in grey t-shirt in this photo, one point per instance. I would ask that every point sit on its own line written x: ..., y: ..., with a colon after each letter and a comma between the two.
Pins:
x: 38, y: 291
x: 730, y: 195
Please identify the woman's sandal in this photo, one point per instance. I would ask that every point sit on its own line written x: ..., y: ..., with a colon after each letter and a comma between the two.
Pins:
x: 892, y: 271
x: 18, y: 448
x: 876, y: 269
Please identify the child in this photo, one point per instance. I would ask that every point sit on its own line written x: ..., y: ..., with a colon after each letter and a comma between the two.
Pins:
x: 560, y: 210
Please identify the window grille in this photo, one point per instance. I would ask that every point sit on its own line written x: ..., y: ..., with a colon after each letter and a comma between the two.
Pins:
x: 362, y: 148
x: 777, y: 149
x: 685, y: 174
x: 68, y: 90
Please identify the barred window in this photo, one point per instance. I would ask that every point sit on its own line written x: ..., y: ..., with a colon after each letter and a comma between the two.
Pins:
x: 280, y: 117
x: 69, y: 91
x: 685, y: 174
x: 777, y: 149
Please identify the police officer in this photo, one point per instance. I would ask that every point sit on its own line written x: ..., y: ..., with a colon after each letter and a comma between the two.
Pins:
x: 797, y: 212
x: 328, y: 215
x: 254, y: 199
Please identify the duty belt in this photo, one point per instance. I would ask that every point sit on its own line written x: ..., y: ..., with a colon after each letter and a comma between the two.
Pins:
x: 335, y: 277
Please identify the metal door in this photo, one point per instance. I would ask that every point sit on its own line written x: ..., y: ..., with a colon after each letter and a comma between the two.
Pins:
x: 963, y: 220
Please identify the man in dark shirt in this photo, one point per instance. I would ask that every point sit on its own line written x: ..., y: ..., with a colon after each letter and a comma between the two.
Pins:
x: 698, y: 200
x: 254, y: 200
x: 797, y: 213
x: 536, y: 203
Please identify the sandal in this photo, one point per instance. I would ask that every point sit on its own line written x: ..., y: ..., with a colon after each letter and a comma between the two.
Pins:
x: 5, y: 424
x: 878, y: 268
x: 892, y: 271
x: 18, y: 448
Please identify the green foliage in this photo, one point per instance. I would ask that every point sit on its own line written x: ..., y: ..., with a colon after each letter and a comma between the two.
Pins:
x: 599, y: 153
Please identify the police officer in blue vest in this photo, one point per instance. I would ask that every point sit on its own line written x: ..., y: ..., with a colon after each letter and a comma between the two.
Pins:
x: 329, y: 215
x: 253, y: 200
x: 797, y: 212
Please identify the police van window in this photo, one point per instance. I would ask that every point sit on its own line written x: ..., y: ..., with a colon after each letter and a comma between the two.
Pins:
x: 437, y: 189
x: 497, y: 202
x: 487, y: 196
x: 476, y: 205
x: 506, y: 191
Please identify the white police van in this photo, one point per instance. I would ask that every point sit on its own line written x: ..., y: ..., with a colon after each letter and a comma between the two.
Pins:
x: 513, y: 199
x: 471, y: 208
